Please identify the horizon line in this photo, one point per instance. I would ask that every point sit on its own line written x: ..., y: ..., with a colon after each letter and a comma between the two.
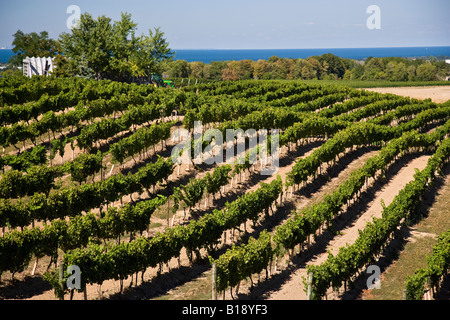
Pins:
x: 328, y: 48
x: 316, y: 48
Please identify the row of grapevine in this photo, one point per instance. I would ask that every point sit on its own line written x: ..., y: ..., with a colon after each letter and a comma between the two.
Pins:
x: 17, y: 248
x: 358, y: 134
x: 24, y: 160
x: 107, y: 227
x: 50, y: 122
x: 324, y: 123
x: 285, y: 118
x: 15, y: 184
x: 203, y: 108
x: 301, y: 225
x: 372, y: 239
x: 233, y: 266
x: 248, y: 89
x: 107, y: 128
x: 114, y: 223
x: 10, y: 135
x: 437, y: 267
x: 301, y: 110
x: 72, y: 201
x: 38, y: 179
x: 141, y: 139
x: 71, y: 94
x: 99, y: 130
x: 99, y: 263
x: 195, y: 189
x: 41, y: 179
x: 19, y: 91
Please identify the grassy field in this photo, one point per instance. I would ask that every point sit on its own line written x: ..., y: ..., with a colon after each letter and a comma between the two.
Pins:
x: 349, y: 83
x: 417, y: 246
x: 380, y: 83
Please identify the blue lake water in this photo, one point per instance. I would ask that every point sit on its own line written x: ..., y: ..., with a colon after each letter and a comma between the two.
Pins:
x: 208, y: 55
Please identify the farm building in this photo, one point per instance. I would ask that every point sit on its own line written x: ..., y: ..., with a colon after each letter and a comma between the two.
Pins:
x: 37, y: 66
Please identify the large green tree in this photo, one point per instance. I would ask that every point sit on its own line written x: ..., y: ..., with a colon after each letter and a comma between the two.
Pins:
x: 426, y: 72
x: 32, y: 45
x: 178, y: 69
x: 334, y: 64
x: 216, y: 69
x: 112, y: 49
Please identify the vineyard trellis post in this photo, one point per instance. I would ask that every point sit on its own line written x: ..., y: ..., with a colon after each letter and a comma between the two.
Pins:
x: 214, y: 281
x: 168, y: 211
x: 310, y: 279
x: 35, y: 263
x: 61, y: 279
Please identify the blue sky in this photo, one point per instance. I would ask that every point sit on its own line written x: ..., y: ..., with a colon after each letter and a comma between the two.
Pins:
x: 249, y: 24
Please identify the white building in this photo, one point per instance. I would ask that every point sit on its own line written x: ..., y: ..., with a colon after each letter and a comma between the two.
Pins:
x: 447, y: 61
x: 37, y: 66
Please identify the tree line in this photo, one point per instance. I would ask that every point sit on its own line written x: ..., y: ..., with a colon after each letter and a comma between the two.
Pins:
x: 324, y: 67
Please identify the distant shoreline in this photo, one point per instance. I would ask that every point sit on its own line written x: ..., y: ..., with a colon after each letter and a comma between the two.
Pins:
x: 209, y: 55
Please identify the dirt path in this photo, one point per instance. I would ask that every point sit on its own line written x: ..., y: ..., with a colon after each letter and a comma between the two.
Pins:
x: 293, y: 288
x: 438, y: 94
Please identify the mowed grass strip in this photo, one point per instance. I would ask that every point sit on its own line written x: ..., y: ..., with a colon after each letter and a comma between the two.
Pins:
x: 418, y: 246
